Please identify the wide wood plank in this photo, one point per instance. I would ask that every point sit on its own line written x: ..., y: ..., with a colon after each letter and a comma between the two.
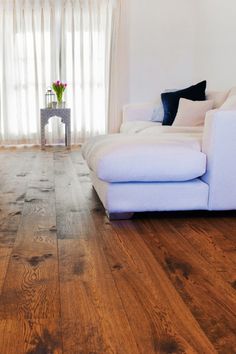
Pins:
x: 93, y: 320
x: 31, y: 288
x: 225, y: 237
x: 196, y: 275
x: 73, y: 282
x: 14, y: 170
x: 30, y: 337
x: 4, y: 259
x: 210, y: 242
x: 30, y: 291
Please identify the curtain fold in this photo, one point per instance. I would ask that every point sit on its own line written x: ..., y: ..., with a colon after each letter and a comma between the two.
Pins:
x: 113, y: 113
x: 42, y: 41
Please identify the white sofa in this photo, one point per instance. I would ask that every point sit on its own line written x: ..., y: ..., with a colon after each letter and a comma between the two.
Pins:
x: 150, y: 167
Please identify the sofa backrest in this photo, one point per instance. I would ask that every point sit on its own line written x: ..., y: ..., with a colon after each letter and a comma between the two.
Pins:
x: 144, y: 111
x: 218, y: 97
x: 219, y: 144
x: 138, y: 112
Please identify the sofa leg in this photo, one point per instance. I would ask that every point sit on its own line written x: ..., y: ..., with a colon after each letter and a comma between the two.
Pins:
x: 119, y: 216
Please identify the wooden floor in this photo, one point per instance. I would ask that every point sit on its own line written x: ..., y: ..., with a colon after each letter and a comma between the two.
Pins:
x: 72, y: 282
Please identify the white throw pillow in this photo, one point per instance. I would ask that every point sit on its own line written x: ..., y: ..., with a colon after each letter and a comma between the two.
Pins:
x: 192, y: 113
x: 158, y: 113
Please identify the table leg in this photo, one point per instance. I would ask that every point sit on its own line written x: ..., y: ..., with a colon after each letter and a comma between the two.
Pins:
x: 69, y: 136
x: 42, y: 136
x: 66, y: 130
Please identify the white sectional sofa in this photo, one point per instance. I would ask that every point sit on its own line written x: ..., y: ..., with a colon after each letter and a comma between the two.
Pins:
x: 150, y: 167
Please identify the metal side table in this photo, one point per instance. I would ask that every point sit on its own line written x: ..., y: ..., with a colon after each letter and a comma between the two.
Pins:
x: 64, y: 114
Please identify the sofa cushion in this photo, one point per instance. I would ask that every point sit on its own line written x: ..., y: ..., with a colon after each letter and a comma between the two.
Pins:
x: 141, y: 196
x: 140, y: 158
x: 192, y: 113
x: 170, y: 100
x: 137, y: 126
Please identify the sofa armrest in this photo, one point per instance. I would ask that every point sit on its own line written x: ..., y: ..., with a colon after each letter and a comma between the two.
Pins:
x: 138, y: 112
x: 219, y: 144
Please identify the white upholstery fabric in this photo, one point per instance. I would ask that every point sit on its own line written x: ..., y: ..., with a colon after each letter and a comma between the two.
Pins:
x: 137, y: 126
x: 155, y: 128
x: 219, y: 144
x: 156, y: 154
x: 232, y: 91
x: 192, y: 113
x: 215, y: 190
x: 136, y: 112
x: 135, y: 197
x: 158, y: 113
x: 230, y: 103
x: 218, y: 97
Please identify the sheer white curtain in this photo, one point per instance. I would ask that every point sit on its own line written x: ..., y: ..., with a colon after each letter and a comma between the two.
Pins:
x: 46, y: 40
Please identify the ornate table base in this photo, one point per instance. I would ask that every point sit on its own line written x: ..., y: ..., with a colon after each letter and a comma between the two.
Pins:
x: 64, y: 114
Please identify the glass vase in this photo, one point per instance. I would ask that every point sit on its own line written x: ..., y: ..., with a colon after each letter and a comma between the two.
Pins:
x: 61, y: 104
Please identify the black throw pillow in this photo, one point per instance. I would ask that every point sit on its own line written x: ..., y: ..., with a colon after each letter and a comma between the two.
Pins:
x: 170, y: 100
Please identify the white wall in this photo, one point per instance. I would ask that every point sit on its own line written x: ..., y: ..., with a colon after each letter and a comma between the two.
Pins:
x: 158, y: 48
x: 174, y: 43
x: 215, y: 55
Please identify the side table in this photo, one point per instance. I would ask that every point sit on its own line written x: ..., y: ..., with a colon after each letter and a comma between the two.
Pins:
x: 64, y: 114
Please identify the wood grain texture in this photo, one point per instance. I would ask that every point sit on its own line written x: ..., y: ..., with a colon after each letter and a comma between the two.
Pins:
x: 5, y: 254
x: 93, y: 320
x: 32, y: 276
x: 192, y: 266
x: 73, y: 282
x: 30, y: 337
x: 14, y: 172
x: 29, y: 301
